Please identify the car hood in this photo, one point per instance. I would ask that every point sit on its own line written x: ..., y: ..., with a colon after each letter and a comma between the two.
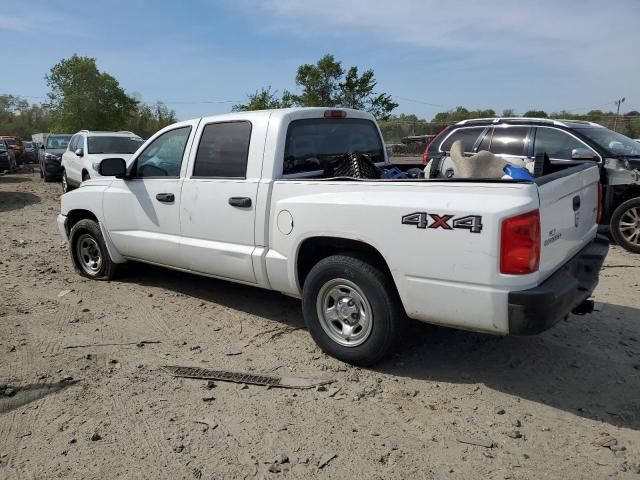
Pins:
x: 102, y: 156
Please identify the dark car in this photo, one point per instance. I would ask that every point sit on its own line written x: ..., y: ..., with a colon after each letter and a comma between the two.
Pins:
x: 50, y: 155
x: 7, y: 157
x: 564, y: 141
x: 29, y: 151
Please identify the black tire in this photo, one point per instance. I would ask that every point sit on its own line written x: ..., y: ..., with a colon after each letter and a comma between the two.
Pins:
x: 387, y: 316
x: 626, y: 235
x: 86, y: 235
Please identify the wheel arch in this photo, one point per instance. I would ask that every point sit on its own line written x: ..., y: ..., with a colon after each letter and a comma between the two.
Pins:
x: 314, y: 249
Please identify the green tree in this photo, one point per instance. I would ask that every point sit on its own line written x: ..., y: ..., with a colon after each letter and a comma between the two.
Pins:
x: 536, y: 114
x: 265, y: 99
x: 326, y: 84
x: 82, y: 97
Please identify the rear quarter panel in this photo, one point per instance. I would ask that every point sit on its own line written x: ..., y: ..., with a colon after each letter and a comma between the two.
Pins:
x: 447, y: 276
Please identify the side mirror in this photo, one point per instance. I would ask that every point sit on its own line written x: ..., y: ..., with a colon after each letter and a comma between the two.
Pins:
x: 113, y: 167
x: 42, y: 147
x: 582, y: 154
x: 79, y: 152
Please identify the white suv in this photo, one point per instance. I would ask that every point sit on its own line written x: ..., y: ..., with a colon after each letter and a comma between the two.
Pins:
x: 87, y: 149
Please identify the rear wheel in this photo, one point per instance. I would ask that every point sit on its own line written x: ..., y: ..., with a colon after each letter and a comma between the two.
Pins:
x: 352, y: 310
x: 89, y: 251
x: 625, y: 225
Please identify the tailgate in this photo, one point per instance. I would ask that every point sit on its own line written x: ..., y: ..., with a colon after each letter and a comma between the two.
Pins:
x: 568, y: 210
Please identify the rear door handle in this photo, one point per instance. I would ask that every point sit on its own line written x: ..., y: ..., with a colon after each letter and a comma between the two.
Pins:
x: 166, y: 197
x: 242, y: 202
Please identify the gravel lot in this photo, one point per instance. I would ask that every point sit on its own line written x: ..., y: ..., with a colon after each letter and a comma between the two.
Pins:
x: 564, y: 404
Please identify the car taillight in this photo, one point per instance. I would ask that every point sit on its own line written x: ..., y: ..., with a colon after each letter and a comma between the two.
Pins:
x: 520, y: 244
x: 425, y: 154
x: 599, y: 212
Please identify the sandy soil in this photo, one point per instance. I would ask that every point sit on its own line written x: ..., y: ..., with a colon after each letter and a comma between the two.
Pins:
x: 541, y: 401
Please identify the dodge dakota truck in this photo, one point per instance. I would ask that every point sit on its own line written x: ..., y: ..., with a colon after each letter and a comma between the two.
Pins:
x: 250, y: 197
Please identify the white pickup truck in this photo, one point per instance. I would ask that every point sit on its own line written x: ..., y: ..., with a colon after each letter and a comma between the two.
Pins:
x: 246, y: 197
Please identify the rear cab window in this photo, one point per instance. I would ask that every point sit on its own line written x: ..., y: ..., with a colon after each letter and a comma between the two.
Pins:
x: 223, y: 150
x: 312, y: 144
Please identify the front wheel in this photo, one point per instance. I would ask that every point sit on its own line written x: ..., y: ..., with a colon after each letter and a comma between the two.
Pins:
x: 625, y: 225
x: 352, y: 310
x: 65, y: 183
x: 89, y: 251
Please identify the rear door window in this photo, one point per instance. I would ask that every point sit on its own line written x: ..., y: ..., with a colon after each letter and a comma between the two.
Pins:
x: 556, y: 143
x: 468, y: 136
x: 509, y: 141
x: 313, y: 143
x: 223, y: 150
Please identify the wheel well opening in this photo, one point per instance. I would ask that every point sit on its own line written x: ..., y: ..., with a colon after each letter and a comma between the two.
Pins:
x: 315, y: 249
x: 74, y: 216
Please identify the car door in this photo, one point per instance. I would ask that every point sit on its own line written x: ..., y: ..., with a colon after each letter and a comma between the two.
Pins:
x: 218, y: 203
x: 142, y: 213
x: 559, y: 145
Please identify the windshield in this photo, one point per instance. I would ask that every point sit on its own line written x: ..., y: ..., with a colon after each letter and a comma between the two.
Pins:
x: 58, y: 141
x: 3, y: 148
x: 11, y: 142
x: 311, y: 144
x: 613, y: 142
x: 105, y: 144
x: 28, y: 144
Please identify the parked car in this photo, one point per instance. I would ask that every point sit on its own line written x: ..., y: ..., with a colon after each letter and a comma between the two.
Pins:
x: 7, y: 157
x: 16, y: 145
x: 29, y: 151
x: 50, y: 147
x: 566, y: 142
x: 251, y: 197
x: 86, y: 149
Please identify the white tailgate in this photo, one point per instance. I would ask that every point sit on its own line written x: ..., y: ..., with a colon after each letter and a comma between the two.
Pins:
x: 568, y: 209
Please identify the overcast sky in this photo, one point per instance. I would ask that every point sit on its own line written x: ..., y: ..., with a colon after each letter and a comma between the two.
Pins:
x: 202, y: 56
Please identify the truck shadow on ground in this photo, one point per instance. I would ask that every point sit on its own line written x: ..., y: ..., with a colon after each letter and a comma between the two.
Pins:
x: 4, y: 179
x: 588, y: 366
x: 16, y: 200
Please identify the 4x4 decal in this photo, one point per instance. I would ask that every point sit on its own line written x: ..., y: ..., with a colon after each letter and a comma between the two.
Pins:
x: 473, y: 223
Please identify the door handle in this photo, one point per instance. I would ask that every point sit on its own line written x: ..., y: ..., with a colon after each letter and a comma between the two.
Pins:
x: 576, y: 203
x: 242, y: 202
x: 166, y: 197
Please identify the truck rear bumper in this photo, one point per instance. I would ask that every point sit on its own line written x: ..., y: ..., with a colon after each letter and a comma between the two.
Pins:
x: 538, y: 309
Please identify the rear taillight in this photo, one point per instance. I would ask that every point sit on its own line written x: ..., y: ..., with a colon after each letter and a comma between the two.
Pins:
x: 425, y: 155
x: 599, y: 212
x: 520, y: 244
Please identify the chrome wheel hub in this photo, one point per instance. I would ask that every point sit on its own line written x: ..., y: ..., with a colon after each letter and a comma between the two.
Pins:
x: 630, y: 225
x: 89, y: 254
x: 344, y: 312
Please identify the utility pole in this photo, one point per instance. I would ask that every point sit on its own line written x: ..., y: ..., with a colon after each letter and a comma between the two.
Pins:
x: 615, y: 120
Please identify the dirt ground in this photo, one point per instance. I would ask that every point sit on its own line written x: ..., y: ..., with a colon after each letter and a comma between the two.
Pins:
x: 540, y: 404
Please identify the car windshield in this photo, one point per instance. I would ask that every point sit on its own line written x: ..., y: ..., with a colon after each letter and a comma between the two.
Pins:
x: 3, y: 148
x: 28, y: 144
x: 312, y: 143
x: 11, y: 142
x: 58, y: 141
x: 104, y: 144
x: 613, y: 142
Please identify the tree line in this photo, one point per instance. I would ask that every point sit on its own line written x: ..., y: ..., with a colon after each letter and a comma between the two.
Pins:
x: 82, y: 97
